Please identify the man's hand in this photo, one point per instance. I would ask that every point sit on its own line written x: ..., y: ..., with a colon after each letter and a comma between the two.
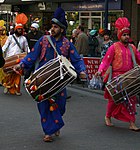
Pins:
x: 97, y: 74
x: 18, y: 69
x: 82, y: 75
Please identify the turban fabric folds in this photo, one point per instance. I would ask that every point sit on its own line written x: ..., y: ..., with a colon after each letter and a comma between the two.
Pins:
x: 122, y: 24
x: 20, y: 20
x: 59, y: 18
x: 35, y: 25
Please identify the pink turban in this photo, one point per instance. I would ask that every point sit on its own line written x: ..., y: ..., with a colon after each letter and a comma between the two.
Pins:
x: 122, y: 24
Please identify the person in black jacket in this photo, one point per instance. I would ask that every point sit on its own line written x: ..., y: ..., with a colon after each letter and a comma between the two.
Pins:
x: 2, y: 61
x: 93, y: 43
x: 32, y: 37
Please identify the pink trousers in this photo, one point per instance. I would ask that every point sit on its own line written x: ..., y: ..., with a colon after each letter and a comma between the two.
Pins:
x: 121, y: 111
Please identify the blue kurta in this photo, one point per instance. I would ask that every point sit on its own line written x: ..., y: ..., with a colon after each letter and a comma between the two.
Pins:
x: 51, y: 119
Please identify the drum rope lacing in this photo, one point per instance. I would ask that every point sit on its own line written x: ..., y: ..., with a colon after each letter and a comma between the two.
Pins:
x: 125, y: 94
x: 57, y: 86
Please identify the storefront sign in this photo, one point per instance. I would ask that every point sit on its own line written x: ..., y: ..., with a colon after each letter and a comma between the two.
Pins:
x: 92, y: 65
x: 5, y: 7
x: 93, y: 6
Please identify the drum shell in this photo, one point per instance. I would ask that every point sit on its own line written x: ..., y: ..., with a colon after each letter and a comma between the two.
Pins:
x: 12, y: 61
x: 125, y: 85
x: 48, y: 82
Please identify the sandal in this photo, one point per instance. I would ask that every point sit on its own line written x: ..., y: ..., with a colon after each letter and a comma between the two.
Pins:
x: 108, y: 122
x: 5, y: 90
x: 57, y: 133
x: 47, y: 138
x: 18, y: 93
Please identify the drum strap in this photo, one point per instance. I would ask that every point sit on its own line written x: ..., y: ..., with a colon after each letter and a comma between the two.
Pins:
x: 133, y: 56
x: 110, y: 74
x: 49, y: 39
x: 17, y: 43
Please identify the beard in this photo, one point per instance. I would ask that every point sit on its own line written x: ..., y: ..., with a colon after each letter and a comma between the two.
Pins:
x: 54, y: 34
x: 18, y: 33
x: 33, y: 31
x: 126, y: 41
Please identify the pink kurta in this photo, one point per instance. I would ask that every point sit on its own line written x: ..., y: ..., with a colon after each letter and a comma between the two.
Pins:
x: 120, y: 57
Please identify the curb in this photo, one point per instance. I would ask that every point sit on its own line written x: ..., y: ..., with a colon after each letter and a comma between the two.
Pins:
x: 85, y: 88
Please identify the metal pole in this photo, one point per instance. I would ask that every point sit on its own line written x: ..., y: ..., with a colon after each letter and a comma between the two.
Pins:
x: 106, y: 15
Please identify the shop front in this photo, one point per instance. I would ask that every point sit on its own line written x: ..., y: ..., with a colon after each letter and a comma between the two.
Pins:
x: 91, y: 14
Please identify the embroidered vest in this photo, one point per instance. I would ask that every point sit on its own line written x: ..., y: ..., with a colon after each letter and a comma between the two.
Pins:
x: 117, y: 62
x: 46, y: 45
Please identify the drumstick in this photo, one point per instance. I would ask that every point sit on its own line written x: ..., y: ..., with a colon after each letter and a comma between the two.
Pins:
x: 18, y: 72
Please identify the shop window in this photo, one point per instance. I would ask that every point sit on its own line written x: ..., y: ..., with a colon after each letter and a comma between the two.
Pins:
x: 112, y: 17
x: 96, y: 14
x: 85, y: 14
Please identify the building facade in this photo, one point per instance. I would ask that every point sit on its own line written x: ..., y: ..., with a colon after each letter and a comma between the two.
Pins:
x: 90, y: 13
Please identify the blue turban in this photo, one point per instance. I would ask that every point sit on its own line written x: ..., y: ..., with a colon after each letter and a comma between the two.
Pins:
x: 59, y: 18
x: 93, y: 32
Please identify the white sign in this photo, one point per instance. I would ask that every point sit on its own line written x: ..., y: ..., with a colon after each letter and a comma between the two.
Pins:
x: 5, y: 7
x: 1, y: 1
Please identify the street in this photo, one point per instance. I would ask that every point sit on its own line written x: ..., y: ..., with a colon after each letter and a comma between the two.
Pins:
x: 84, y: 125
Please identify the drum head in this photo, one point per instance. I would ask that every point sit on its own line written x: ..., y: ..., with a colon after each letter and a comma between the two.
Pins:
x: 69, y: 66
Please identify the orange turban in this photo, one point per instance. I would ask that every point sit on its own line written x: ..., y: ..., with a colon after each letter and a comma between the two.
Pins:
x: 20, y: 20
x: 122, y: 24
x: 101, y: 31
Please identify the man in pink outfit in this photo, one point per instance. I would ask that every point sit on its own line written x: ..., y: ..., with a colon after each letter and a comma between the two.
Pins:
x: 119, y: 56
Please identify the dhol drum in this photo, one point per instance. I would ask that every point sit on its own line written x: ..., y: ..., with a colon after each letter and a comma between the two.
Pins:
x: 50, y: 79
x: 12, y: 61
x: 124, y: 86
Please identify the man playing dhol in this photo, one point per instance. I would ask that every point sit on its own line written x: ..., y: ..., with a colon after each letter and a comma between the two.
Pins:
x: 51, y: 120
x: 119, y: 56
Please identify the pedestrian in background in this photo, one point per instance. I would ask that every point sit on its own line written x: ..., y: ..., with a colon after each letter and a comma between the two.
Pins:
x: 106, y: 43
x: 73, y: 36
x: 93, y: 43
x: 82, y: 41
x: 11, y: 31
x: 120, y: 57
x: 32, y: 37
x: 100, y: 41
